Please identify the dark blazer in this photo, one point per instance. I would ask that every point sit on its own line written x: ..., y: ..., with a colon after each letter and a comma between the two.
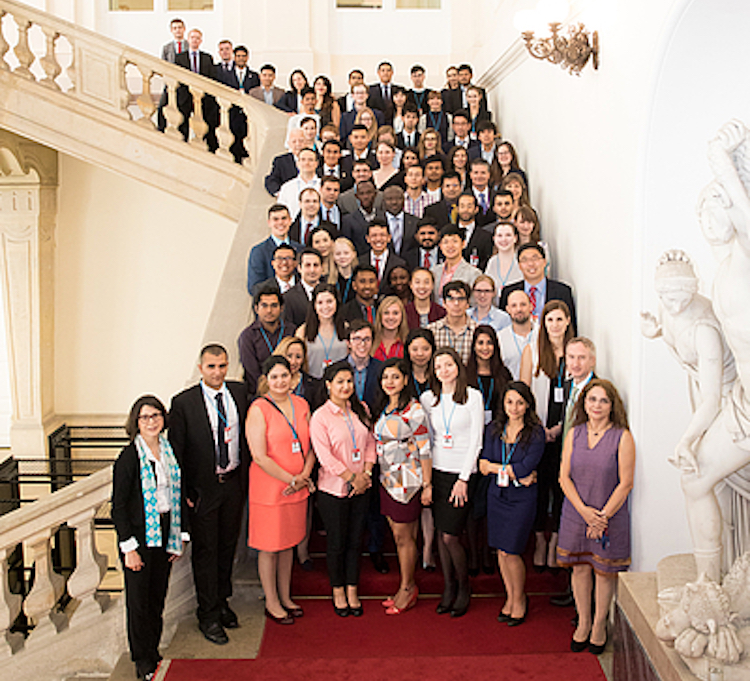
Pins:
x: 352, y: 310
x: 252, y: 80
x: 288, y: 102
x: 342, y: 104
x: 414, y: 258
x: 481, y: 242
x: 372, y: 378
x: 376, y: 101
x: 472, y: 149
x: 441, y: 212
x: 206, y: 68
x: 344, y: 172
x: 418, y: 100
x: 259, y: 266
x: 284, y: 168
x: 487, y: 217
x: 392, y: 261
x: 451, y: 99
x: 347, y: 122
x: 296, y: 304
x: 556, y: 290
x: 348, y: 202
x: 354, y: 227
x: 401, y: 140
x: 294, y: 230
x: 194, y: 446
x: 128, y: 513
x: 257, y: 93
x: 410, y: 229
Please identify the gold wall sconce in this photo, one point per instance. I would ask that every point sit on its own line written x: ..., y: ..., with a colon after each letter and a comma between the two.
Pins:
x: 572, y: 51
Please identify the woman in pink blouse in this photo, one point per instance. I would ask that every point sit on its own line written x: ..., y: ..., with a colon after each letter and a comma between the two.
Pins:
x: 345, y: 448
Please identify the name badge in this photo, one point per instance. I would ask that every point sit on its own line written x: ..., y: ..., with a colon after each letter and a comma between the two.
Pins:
x: 356, y: 455
x: 487, y: 416
x: 227, y: 435
x: 448, y: 441
x: 327, y: 362
x: 503, y: 478
x: 379, y: 448
x: 296, y: 447
x: 558, y: 395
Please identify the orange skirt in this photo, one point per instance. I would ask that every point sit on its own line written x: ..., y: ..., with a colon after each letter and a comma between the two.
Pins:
x: 277, y: 527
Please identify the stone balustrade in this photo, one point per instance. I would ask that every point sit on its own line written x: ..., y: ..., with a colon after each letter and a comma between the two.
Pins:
x: 34, y: 526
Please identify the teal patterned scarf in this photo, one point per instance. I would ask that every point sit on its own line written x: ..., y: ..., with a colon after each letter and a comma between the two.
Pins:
x: 148, y: 485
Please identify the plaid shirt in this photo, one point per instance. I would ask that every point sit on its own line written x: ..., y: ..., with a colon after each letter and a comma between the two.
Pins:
x: 461, y: 342
x: 417, y: 206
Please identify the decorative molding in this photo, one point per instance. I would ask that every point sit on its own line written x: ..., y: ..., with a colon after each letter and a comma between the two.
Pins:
x: 515, y: 55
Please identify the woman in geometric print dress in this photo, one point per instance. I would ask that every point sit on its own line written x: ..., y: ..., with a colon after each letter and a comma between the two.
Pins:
x: 403, y: 445
x: 596, y: 476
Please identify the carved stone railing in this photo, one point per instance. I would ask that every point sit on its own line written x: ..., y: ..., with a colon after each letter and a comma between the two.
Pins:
x: 80, y: 87
x: 34, y: 526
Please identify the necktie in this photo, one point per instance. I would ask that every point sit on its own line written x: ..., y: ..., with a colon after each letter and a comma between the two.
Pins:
x: 482, y: 202
x: 328, y: 215
x: 387, y: 91
x: 308, y: 227
x: 377, y: 267
x: 179, y: 47
x: 195, y: 62
x: 426, y: 262
x: 532, y: 297
x: 370, y: 318
x: 220, y: 430
x: 454, y: 213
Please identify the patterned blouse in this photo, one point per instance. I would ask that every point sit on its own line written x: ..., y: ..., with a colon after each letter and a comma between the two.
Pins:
x: 402, y: 441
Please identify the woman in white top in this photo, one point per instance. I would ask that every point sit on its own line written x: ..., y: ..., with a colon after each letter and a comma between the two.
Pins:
x: 323, y: 330
x: 456, y: 418
x: 503, y: 266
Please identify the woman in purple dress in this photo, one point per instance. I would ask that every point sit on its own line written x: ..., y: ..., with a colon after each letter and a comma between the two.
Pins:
x: 596, y: 476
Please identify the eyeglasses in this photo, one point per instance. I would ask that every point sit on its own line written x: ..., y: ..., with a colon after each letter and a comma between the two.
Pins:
x: 360, y: 339
x: 150, y: 418
x: 284, y: 259
x: 532, y: 259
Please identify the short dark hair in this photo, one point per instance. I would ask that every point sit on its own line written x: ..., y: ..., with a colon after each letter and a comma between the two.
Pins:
x: 456, y: 285
x: 359, y: 324
x: 309, y: 250
x: 479, y: 162
x: 486, y: 125
x: 272, y: 361
x: 451, y: 175
x: 268, y: 67
x: 307, y: 90
x: 527, y: 246
x: 462, y: 113
x: 359, y: 184
x: 330, y: 179
x: 131, y: 424
x: 502, y: 192
x: 377, y: 222
x: 417, y: 68
x: 385, y: 63
x: 435, y: 158
x: 283, y: 247
x: 241, y: 48
x: 467, y: 195
x: 361, y: 162
x: 176, y: 20
x: 358, y: 126
x: 427, y: 221
x: 359, y: 71
x: 452, y: 230
x: 465, y: 67
x: 410, y: 108
x: 214, y: 349
x: 364, y: 268
x: 308, y: 118
x: 269, y: 289
x: 332, y: 143
x: 277, y: 208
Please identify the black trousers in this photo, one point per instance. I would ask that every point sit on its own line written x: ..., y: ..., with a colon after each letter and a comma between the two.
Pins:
x: 214, y: 528
x: 550, y: 495
x: 344, y: 520
x: 145, y: 593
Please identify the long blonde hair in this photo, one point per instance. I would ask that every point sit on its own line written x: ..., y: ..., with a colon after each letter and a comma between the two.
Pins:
x: 403, y: 328
x: 372, y: 131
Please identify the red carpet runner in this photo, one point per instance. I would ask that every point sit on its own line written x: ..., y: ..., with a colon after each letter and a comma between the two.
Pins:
x: 416, y: 646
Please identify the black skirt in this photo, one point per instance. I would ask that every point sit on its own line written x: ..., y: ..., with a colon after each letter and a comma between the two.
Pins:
x: 448, y: 518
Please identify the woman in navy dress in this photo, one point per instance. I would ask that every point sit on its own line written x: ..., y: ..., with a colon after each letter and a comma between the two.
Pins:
x: 513, y: 447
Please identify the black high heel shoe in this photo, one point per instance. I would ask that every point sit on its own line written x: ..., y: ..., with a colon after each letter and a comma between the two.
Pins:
x: 595, y: 649
x: 341, y: 612
x: 578, y: 646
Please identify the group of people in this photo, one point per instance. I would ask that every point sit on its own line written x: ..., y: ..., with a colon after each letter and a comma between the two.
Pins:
x: 411, y: 365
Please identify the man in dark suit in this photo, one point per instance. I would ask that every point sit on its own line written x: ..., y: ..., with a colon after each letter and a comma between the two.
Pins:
x: 380, y: 256
x: 297, y: 299
x: 200, y: 63
x: 207, y: 433
x: 532, y: 261
x: 401, y: 225
x: 309, y: 218
x: 284, y: 263
x: 355, y: 224
x: 445, y: 212
x: 418, y: 94
x: 333, y: 163
x: 364, y: 304
x: 479, y: 245
x: 381, y: 93
x: 284, y: 167
x: 487, y: 138
x: 409, y: 136
x: 267, y: 92
x: 241, y: 78
x: 348, y: 119
x: 330, y: 211
x: 461, y: 125
x: 359, y: 146
x: 425, y: 252
x: 361, y: 171
x: 168, y: 53
x: 480, y: 186
x: 366, y: 368
x: 465, y: 74
x: 259, y: 267
x: 346, y: 102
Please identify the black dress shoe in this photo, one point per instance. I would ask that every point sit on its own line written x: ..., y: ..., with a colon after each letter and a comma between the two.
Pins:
x: 286, y: 619
x: 516, y: 621
x: 564, y: 601
x: 502, y: 617
x: 380, y: 563
x: 214, y: 632
x: 228, y: 618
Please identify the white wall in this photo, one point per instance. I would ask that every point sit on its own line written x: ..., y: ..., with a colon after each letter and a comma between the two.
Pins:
x: 136, y: 274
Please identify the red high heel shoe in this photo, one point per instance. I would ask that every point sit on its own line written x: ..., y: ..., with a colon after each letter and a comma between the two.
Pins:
x: 393, y: 610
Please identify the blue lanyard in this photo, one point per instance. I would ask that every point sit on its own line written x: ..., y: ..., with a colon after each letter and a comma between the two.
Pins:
x: 292, y: 424
x: 436, y: 126
x: 360, y: 386
x: 350, y: 426
x: 218, y: 413
x: 278, y: 340
x: 560, y: 373
x: 488, y: 396
x: 419, y: 98
x: 515, y: 340
x: 447, y: 424
x: 416, y: 385
x: 327, y: 350
x: 505, y: 460
x: 500, y: 276
x: 298, y: 389
x: 346, y: 290
x: 384, y: 420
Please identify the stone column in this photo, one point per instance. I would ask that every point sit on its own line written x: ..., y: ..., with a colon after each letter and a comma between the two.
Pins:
x: 28, y: 208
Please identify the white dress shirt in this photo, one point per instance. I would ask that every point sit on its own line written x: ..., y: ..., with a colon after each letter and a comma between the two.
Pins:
x: 232, y: 424
x: 396, y: 227
x: 290, y: 191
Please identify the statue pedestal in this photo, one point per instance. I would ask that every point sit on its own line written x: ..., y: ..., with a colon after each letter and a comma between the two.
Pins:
x: 639, y: 611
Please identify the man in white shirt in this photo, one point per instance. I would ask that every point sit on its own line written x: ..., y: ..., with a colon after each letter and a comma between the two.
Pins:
x: 486, y: 133
x: 307, y: 163
x: 346, y: 103
x: 514, y: 338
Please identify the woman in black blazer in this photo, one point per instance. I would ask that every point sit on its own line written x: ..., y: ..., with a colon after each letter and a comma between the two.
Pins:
x: 148, y: 513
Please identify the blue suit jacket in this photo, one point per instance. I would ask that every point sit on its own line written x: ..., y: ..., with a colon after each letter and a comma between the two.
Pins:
x: 259, y: 263
x: 347, y: 122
